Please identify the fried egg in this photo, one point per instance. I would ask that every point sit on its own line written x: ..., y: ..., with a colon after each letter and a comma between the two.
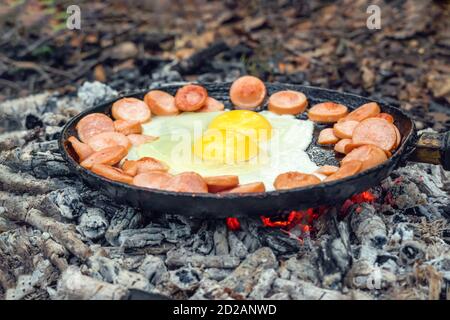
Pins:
x: 254, y: 146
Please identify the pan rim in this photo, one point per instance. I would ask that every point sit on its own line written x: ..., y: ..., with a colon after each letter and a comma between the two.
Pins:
x: 396, y: 156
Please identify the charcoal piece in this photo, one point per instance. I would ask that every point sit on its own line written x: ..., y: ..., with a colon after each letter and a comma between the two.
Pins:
x: 73, y: 285
x: 108, y: 270
x: 93, y: 223
x: 246, y: 275
x: 368, y: 227
x: 217, y: 274
x: 203, y: 241
x: 25, y: 183
x: 221, y: 239
x: 13, y: 112
x: 154, y: 269
x: 56, y: 253
x: 123, y: 218
x: 14, y: 139
x: 60, y: 232
x: 138, y: 238
x: 209, y: 289
x: 67, y: 202
x: 185, y: 278
x: 410, y: 252
x: 280, y: 242
x: 237, y: 248
x: 262, y: 287
x: 181, y: 257
x: 301, y: 290
x: 41, y: 277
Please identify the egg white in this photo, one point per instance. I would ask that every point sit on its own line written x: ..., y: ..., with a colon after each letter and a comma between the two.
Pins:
x: 284, y: 152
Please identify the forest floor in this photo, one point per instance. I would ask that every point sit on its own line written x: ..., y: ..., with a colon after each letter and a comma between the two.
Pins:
x: 126, y: 44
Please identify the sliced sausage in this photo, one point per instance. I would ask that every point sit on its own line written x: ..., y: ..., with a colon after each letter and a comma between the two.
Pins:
x: 93, y: 124
x: 190, y: 97
x: 81, y: 149
x: 344, y: 129
x: 386, y: 116
x: 153, y: 179
x: 186, y: 182
x: 369, y: 155
x: 327, y: 136
x: 138, y: 139
x: 327, y: 112
x: 288, y: 102
x: 254, y: 187
x: 221, y: 183
x: 108, y: 139
x: 146, y: 164
x: 111, y: 173
x: 327, y: 170
x: 398, y: 139
x: 368, y: 110
x: 127, y: 127
x: 293, y: 179
x: 247, y: 92
x: 212, y: 105
x: 340, y: 146
x: 347, y: 169
x: 161, y: 103
x: 130, y: 167
x: 110, y: 156
x: 131, y: 109
x: 375, y: 131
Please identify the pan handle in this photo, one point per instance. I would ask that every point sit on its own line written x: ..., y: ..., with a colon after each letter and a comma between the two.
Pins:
x: 433, y: 148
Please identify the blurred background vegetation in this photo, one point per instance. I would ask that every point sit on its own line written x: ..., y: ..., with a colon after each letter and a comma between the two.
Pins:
x: 129, y: 44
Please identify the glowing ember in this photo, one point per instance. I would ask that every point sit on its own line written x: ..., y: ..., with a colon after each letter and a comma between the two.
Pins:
x: 303, y: 220
x: 365, y: 196
x: 233, y: 224
x: 294, y: 218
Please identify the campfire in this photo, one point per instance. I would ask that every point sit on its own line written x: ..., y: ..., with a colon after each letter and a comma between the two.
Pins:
x: 391, y: 241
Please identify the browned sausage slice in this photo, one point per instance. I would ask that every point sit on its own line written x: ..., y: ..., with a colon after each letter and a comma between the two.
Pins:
x: 212, y: 105
x: 138, y: 139
x: 288, y: 102
x: 221, y: 183
x: 327, y: 112
x: 131, y: 109
x: 127, y: 127
x: 161, y: 103
x: 375, y: 131
x: 152, y: 179
x: 254, y: 187
x: 347, y: 169
x: 369, y: 155
x: 340, y: 146
x: 247, y: 92
x: 327, y: 170
x: 93, y: 124
x: 81, y: 149
x: 327, y: 136
x: 110, y: 156
x: 344, y: 129
x: 190, y: 97
x: 368, y: 110
x: 293, y: 179
x: 186, y: 182
x: 111, y: 173
x: 108, y: 139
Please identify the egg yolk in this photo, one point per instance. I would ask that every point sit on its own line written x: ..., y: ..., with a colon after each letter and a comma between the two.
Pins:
x: 225, y: 147
x: 233, y: 137
x: 246, y: 122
